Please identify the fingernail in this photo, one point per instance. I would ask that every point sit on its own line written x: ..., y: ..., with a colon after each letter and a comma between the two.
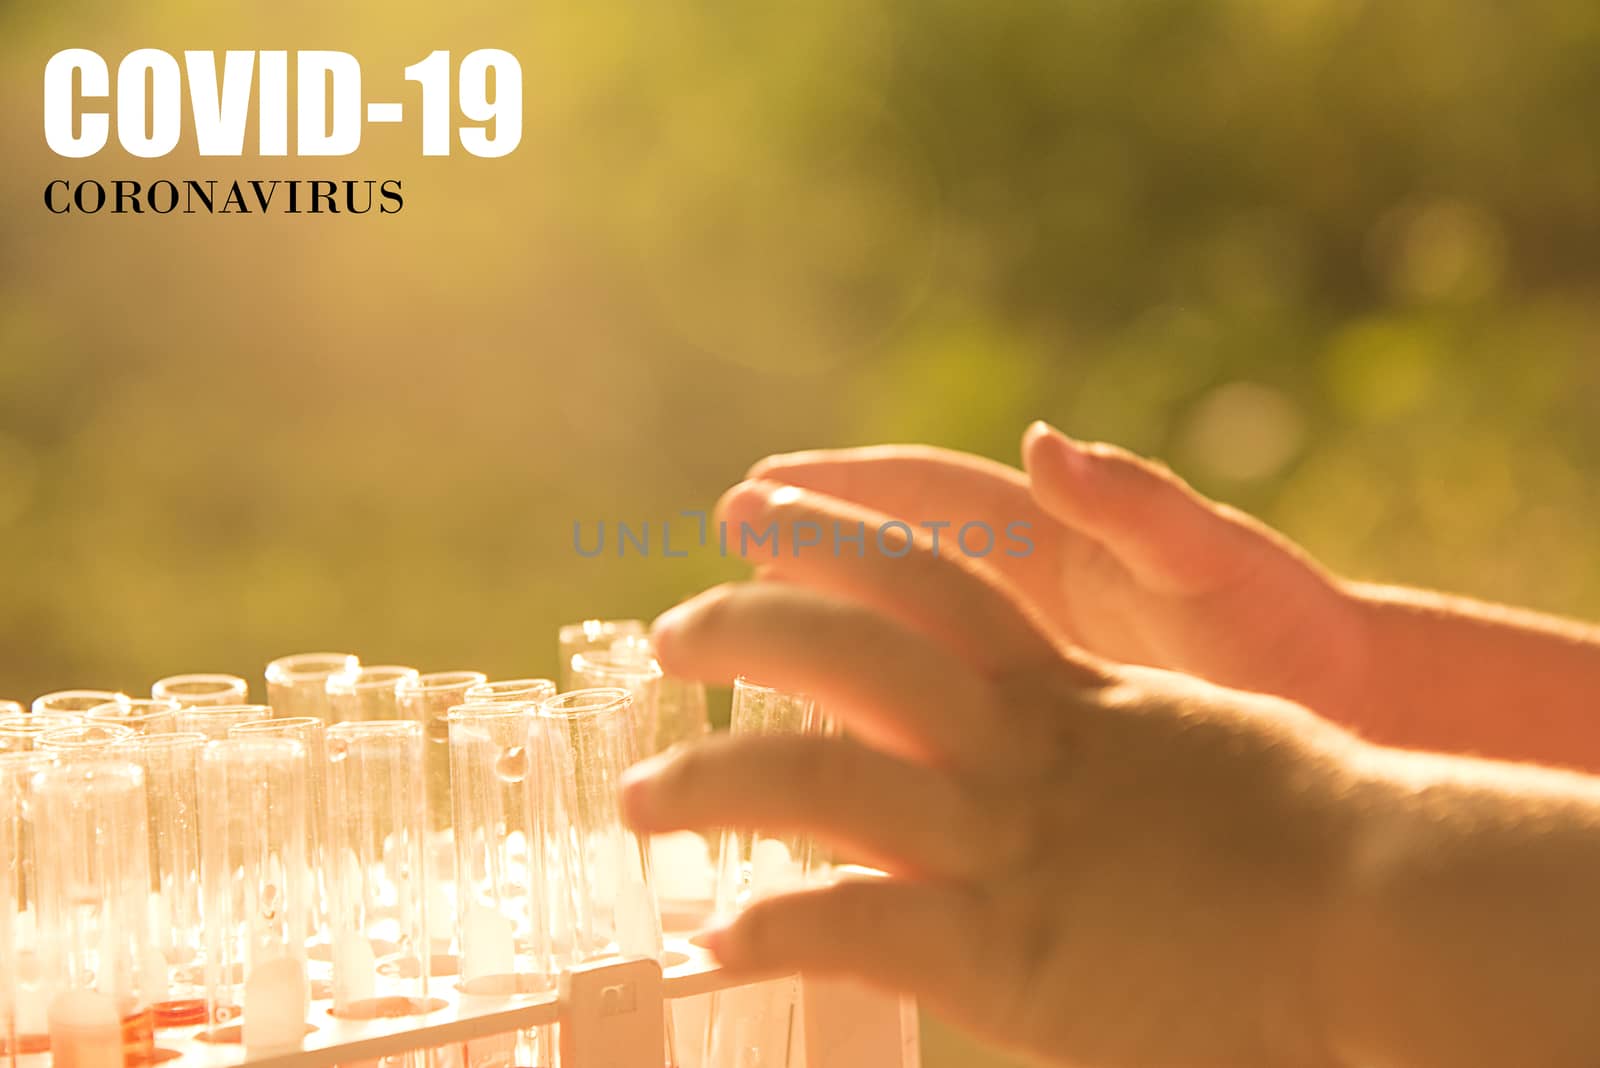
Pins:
x: 744, y: 501
x: 748, y: 501
x: 1069, y: 450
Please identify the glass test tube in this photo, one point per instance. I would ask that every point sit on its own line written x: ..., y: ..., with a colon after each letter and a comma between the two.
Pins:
x: 214, y: 721
x: 9, y: 707
x: 195, y: 691
x: 680, y: 703
x: 681, y: 862
x: 257, y: 873
x: 368, y: 693
x: 8, y: 912
x: 297, y: 685
x: 94, y: 914
x: 141, y: 715
x: 634, y: 670
x: 377, y: 827
x: 602, y: 869
x: 499, y: 850
x: 86, y: 741
x: 310, y: 733
x: 603, y: 864
x: 428, y: 699
x: 19, y: 734
x: 24, y: 953
x: 514, y: 691
x: 755, y: 1026
x: 502, y: 892
x: 170, y: 763
x: 73, y: 702
x: 592, y: 635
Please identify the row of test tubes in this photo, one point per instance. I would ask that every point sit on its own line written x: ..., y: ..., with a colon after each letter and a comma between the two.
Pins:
x: 190, y: 860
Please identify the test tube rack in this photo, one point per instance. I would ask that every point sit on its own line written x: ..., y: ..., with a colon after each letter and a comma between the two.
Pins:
x: 610, y: 1011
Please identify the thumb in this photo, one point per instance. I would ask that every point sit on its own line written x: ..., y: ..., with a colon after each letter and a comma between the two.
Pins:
x: 1170, y: 538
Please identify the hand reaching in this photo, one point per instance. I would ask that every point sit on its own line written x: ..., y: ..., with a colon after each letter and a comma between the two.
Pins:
x: 1128, y: 562
x: 1092, y: 863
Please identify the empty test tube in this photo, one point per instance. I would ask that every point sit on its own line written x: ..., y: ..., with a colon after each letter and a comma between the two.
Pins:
x: 203, y: 689
x: 368, y: 693
x: 170, y: 762
x: 680, y: 703
x: 603, y: 863
x: 503, y: 919
x: 376, y: 831
x: 755, y: 1026
x: 310, y: 733
x: 632, y: 669
x: 214, y: 721
x: 501, y: 885
x: 428, y: 699
x: 297, y: 685
x: 94, y: 914
x: 9, y: 707
x: 141, y: 715
x: 8, y: 912
x: 30, y: 998
x: 253, y: 793
x: 602, y: 900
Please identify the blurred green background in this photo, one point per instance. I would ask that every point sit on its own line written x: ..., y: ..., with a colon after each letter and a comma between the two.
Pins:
x: 1335, y: 260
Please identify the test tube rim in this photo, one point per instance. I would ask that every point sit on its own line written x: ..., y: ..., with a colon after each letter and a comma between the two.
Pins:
x: 275, y: 723
x: 646, y: 669
x: 434, y: 681
x: 217, y: 748
x: 125, y: 733
x: 745, y: 682
x: 170, y: 705
x: 226, y: 682
x: 619, y: 698
x: 375, y: 727
x: 583, y: 625
x: 217, y: 710
x: 289, y: 668
x: 497, y: 687
x: 485, y: 709
x: 103, y: 696
x: 47, y: 721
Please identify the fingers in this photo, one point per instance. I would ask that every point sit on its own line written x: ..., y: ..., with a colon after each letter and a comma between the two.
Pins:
x: 793, y: 534
x: 888, y: 813
x: 1169, y: 537
x: 897, y: 935
x: 925, y: 485
x: 892, y: 686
